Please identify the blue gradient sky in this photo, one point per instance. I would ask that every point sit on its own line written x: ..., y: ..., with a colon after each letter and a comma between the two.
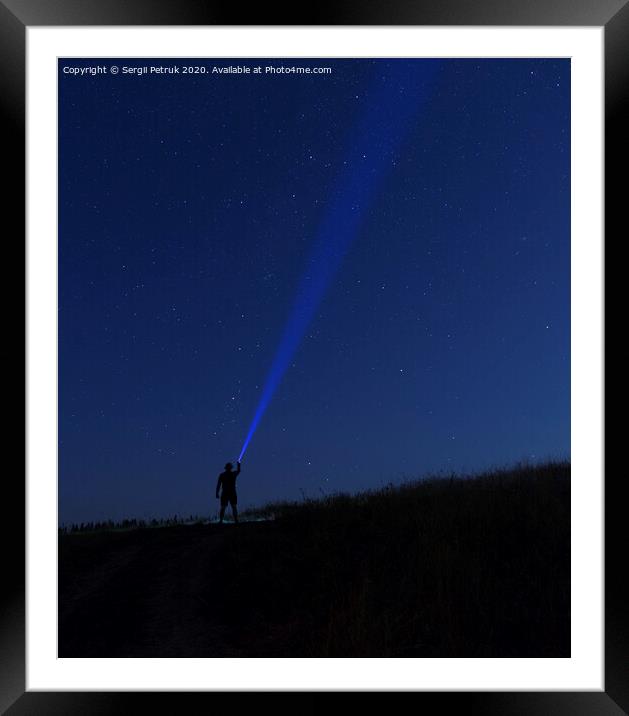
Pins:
x: 188, y: 209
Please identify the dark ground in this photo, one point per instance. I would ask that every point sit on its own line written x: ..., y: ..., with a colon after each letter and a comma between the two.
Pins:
x: 445, y: 568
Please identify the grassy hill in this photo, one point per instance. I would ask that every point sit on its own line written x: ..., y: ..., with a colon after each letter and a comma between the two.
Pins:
x: 460, y: 567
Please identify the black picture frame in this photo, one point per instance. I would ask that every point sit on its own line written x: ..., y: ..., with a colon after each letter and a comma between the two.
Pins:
x: 15, y: 17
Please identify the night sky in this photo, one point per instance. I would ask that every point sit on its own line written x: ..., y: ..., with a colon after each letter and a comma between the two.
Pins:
x: 189, y: 206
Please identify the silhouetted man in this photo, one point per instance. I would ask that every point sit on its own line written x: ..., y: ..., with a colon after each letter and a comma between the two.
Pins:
x: 227, y: 480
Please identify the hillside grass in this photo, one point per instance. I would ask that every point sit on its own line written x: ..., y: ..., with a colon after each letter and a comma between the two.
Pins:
x: 458, y: 567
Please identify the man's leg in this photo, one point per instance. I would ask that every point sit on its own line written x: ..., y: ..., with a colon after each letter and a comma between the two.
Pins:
x: 235, y: 512
x: 223, y: 512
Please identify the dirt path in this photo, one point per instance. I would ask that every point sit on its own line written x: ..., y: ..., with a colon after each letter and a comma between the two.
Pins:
x: 144, y: 593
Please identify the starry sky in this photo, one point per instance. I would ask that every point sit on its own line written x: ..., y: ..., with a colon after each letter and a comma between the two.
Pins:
x: 189, y: 206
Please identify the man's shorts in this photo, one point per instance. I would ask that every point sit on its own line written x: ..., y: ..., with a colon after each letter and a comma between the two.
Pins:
x: 228, y: 498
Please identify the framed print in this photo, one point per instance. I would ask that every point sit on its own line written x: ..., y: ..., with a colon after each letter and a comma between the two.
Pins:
x: 314, y: 350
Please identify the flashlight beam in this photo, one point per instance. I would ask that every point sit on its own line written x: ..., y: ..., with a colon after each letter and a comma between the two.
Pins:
x: 375, y: 143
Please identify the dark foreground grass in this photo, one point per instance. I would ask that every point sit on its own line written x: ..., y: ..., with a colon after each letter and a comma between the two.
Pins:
x: 476, y: 567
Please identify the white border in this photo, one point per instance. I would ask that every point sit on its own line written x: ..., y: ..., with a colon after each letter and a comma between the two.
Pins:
x: 584, y: 670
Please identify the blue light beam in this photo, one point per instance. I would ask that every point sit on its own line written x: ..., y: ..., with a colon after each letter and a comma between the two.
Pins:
x: 375, y: 142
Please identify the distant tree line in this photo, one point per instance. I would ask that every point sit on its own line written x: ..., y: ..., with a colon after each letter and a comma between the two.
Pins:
x: 129, y: 524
